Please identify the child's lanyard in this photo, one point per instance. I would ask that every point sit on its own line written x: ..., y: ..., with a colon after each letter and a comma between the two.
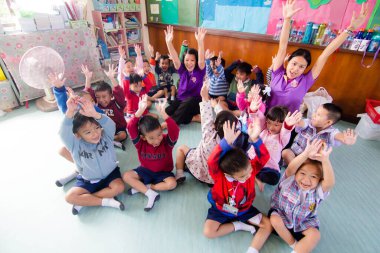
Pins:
x: 373, y: 60
x: 232, y: 199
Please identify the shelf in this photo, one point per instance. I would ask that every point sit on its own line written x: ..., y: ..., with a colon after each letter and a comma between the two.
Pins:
x: 113, y: 30
x: 132, y: 28
x: 114, y: 47
x: 132, y: 43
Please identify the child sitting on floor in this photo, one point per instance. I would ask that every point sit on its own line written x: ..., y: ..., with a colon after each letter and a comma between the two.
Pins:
x: 154, y: 149
x: 233, y: 193
x: 88, y: 135
x: 302, y: 188
x: 215, y: 72
x: 319, y: 127
x: 154, y: 91
x: 111, y: 101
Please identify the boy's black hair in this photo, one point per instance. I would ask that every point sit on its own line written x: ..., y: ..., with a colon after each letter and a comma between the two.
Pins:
x: 81, y: 93
x: 221, y: 118
x: 145, y: 60
x: 223, y: 62
x: 103, y: 86
x: 334, y: 112
x: 193, y: 52
x: 277, y: 113
x: 303, y: 53
x: 148, y: 124
x: 233, y: 161
x: 164, y: 57
x: 129, y: 60
x: 135, y: 78
x: 244, y: 67
x: 79, y: 120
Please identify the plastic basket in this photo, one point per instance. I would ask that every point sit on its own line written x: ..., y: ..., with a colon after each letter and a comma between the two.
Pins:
x: 371, y: 110
x: 366, y: 129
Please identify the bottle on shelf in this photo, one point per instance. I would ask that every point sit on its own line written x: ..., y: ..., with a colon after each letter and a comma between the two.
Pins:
x: 375, y: 42
x: 300, y: 33
x: 314, y: 32
x: 366, y: 40
x: 347, y: 43
x: 357, y: 40
x: 318, y: 38
x: 293, y: 34
x: 326, y: 34
x: 278, y: 30
x: 307, y: 36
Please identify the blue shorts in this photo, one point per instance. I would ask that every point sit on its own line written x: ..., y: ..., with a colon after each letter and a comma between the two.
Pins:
x: 297, y: 235
x: 149, y: 177
x: 153, y: 91
x: 222, y: 217
x: 85, y: 184
x: 232, y: 106
x: 168, y: 87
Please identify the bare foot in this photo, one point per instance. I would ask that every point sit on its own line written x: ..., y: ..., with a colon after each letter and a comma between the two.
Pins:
x: 164, y: 125
x: 260, y: 184
x: 196, y: 118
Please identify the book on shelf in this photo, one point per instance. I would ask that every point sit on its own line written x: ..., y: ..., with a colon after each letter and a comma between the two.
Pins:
x: 131, y: 22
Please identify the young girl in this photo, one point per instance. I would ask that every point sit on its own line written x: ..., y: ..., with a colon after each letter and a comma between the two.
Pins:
x: 304, y: 185
x: 289, y: 85
x: 155, y: 154
x: 88, y: 135
x: 195, y: 159
x: 233, y: 193
x: 191, y: 71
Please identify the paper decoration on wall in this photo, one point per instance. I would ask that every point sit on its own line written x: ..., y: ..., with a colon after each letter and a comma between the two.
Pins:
x: 244, y: 15
x: 361, y: 1
x: 172, y: 12
x: 375, y: 17
x: 314, y: 4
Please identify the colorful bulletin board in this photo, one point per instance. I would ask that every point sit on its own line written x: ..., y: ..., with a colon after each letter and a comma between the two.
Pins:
x: 172, y: 12
x: 244, y: 15
x: 339, y: 12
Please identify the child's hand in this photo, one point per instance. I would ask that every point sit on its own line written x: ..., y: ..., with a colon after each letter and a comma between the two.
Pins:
x: 214, y: 102
x: 288, y: 9
x: 160, y: 106
x: 121, y: 51
x: 137, y: 49
x: 70, y: 91
x: 72, y: 103
x: 357, y: 21
x: 254, y: 68
x: 158, y: 55
x: 312, y: 148
x: 254, y: 129
x: 169, y: 34
x: 229, y: 132
x: 349, y: 137
x: 294, y: 118
x: 240, y: 87
x: 200, y: 34
x: 143, y: 104
x: 255, y: 103
x: 151, y: 50
x: 205, y: 89
x: 54, y: 79
x: 86, y: 72
x: 207, y: 54
x: 185, y: 43
x: 255, y: 90
x: 111, y: 71
x: 87, y: 109
x: 170, y: 57
x: 323, y: 154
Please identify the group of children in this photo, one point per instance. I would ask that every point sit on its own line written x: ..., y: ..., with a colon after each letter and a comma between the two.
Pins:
x: 244, y: 137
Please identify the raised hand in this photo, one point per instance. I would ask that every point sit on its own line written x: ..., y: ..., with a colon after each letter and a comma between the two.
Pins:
x: 185, y: 43
x: 349, y: 136
x: 312, y: 148
x: 207, y: 54
x: 169, y: 34
x: 254, y: 129
x: 205, y: 89
x: 200, y: 34
x: 87, y: 108
x: 229, y: 132
x: 323, y: 154
x: 294, y: 118
x: 143, y: 103
x: 357, y: 21
x: 255, y: 103
x: 158, y: 55
x: 72, y: 103
x: 121, y: 51
x: 160, y: 106
x: 151, y: 50
x: 214, y: 102
x: 137, y: 49
x: 289, y: 9
x: 55, y: 80
x: 240, y: 86
x: 86, y: 72
x: 255, y: 90
x: 111, y: 71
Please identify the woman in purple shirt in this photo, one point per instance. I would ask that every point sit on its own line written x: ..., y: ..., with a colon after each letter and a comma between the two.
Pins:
x: 289, y: 85
x: 191, y: 71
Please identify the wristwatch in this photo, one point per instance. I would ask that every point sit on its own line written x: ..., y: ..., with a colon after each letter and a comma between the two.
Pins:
x: 349, y: 32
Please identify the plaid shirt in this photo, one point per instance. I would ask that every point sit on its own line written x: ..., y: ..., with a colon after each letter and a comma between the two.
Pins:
x: 310, y: 132
x: 297, y: 214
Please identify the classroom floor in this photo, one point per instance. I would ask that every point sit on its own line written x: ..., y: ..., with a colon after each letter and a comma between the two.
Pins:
x: 35, y: 217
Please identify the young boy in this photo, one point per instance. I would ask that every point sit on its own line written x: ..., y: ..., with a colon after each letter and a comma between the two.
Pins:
x: 61, y: 95
x: 243, y: 72
x: 164, y: 72
x: 233, y: 192
x: 111, y: 101
x: 155, y: 91
x: 215, y: 72
x: 319, y: 127
x: 155, y: 154
x: 88, y: 135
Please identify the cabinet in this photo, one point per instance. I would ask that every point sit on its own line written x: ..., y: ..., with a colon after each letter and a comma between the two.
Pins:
x: 119, y: 28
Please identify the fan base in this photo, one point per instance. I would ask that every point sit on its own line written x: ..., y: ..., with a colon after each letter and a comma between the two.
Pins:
x: 46, y: 105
